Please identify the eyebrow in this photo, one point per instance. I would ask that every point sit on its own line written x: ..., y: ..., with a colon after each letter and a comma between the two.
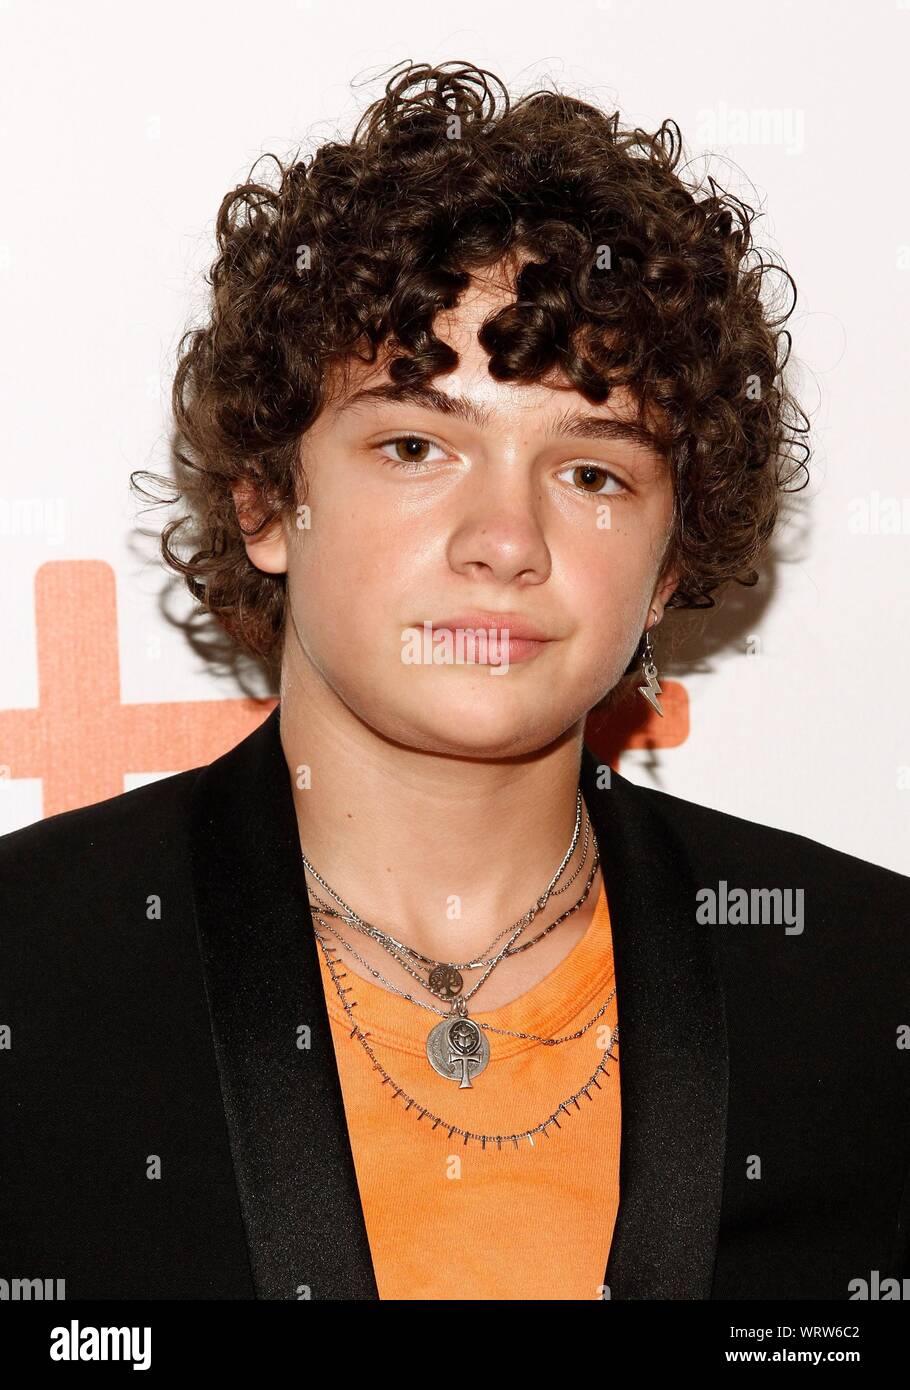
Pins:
x: 569, y: 422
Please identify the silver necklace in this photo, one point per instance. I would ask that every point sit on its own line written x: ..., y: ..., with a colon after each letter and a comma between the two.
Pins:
x: 377, y: 975
x: 574, y: 875
x: 450, y: 986
x: 491, y: 1027
x: 456, y: 1047
x: 483, y: 1139
x: 397, y: 949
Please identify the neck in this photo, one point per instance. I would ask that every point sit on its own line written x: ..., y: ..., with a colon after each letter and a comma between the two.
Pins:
x: 402, y: 834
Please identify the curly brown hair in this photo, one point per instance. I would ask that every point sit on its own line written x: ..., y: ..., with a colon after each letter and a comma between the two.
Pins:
x: 630, y: 279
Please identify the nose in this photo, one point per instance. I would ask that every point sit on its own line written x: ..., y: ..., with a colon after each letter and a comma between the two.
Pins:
x: 499, y: 537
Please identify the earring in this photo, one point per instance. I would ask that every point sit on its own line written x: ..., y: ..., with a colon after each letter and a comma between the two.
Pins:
x: 649, y: 670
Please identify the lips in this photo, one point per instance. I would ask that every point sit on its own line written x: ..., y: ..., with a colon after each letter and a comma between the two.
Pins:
x: 519, y: 627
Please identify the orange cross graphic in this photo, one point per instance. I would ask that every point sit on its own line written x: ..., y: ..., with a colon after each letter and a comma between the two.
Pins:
x: 81, y: 740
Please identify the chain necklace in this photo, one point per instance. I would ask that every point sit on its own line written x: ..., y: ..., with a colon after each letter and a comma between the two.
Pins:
x: 574, y: 875
x: 467, y: 1134
x: 382, y: 938
x: 456, y: 1044
x: 533, y: 1037
x: 394, y: 947
x: 445, y: 989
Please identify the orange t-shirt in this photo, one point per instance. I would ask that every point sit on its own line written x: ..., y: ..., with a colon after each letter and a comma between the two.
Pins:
x: 447, y: 1220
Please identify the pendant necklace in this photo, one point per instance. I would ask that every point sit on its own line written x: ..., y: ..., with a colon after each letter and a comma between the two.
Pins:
x: 456, y: 1047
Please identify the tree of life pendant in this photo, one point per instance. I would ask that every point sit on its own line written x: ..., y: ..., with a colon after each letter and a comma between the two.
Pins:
x: 445, y: 981
x: 457, y: 1049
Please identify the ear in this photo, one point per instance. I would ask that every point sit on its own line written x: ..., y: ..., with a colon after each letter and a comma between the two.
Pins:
x: 664, y: 591
x: 267, y: 549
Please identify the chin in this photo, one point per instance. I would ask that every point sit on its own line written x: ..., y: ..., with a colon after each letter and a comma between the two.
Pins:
x: 479, y: 724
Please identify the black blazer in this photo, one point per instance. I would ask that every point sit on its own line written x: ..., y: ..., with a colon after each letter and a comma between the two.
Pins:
x: 138, y: 1033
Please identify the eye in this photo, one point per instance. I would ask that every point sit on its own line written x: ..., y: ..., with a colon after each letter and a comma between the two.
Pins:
x: 411, y: 450
x: 584, y: 474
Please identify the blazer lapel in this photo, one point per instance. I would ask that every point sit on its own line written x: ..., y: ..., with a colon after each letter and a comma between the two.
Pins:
x: 281, y: 1090
x: 282, y: 1095
x: 672, y: 1052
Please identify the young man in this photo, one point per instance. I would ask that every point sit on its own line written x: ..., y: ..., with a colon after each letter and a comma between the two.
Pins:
x: 483, y: 394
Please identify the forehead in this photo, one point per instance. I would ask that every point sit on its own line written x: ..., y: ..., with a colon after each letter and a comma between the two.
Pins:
x: 354, y: 386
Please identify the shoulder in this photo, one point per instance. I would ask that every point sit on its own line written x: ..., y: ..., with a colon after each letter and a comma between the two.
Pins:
x: 706, y: 826
x: 97, y: 919
x: 852, y: 901
x: 96, y: 845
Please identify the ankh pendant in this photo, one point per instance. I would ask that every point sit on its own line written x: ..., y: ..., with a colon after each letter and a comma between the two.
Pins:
x: 457, y: 1049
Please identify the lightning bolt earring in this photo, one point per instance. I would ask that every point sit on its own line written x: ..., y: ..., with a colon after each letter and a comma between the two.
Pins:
x: 649, y: 670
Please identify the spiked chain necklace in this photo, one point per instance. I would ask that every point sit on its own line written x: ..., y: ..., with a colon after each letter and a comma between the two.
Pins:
x: 457, y: 1048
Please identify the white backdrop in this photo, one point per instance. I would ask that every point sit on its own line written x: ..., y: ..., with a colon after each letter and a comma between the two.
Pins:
x: 122, y: 127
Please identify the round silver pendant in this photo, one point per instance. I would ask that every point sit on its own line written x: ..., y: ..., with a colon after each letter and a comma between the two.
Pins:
x: 458, y: 1050
x: 445, y: 981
